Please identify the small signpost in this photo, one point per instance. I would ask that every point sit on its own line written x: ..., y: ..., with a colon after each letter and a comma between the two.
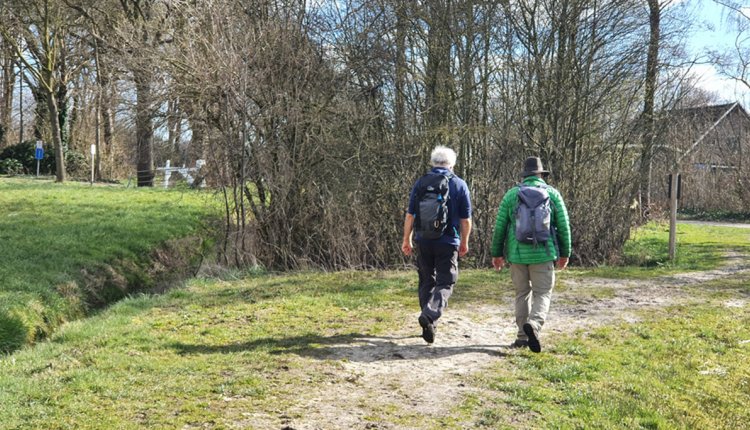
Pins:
x: 674, y: 192
x: 38, y: 155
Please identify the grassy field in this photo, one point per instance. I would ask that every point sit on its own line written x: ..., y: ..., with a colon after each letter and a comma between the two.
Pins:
x: 219, y: 352
x: 54, y: 237
x: 698, y: 248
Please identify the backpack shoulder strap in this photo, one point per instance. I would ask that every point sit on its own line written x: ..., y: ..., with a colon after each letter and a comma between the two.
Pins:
x: 449, y: 176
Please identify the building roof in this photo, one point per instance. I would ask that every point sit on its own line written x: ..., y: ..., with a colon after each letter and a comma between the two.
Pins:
x: 707, y: 115
x: 695, y: 124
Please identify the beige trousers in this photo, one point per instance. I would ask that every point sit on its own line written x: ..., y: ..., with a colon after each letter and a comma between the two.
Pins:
x: 534, y: 284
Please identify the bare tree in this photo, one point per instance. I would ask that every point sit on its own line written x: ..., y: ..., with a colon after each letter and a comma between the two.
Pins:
x: 650, y: 84
x: 735, y: 64
x: 8, y: 63
x: 43, y: 25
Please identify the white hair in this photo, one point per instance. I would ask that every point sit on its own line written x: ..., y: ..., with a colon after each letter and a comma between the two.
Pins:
x: 442, y: 156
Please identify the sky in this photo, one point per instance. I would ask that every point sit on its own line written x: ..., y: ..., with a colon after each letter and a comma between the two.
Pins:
x: 717, y: 34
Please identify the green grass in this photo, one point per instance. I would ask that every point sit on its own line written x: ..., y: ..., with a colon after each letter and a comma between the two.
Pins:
x: 206, y: 354
x: 57, y: 238
x: 173, y: 360
x: 698, y: 248
x: 683, y: 368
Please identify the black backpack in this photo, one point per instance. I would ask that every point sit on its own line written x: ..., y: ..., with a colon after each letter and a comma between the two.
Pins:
x: 432, y: 199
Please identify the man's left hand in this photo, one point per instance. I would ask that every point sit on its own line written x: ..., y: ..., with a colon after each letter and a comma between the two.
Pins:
x: 463, y: 249
x: 562, y: 263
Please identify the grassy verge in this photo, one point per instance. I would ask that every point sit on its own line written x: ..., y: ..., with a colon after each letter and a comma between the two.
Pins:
x: 684, y: 367
x: 199, y: 356
x: 698, y: 248
x: 68, y: 246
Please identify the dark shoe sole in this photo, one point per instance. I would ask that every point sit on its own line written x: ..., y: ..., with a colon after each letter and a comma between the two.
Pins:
x: 428, y: 330
x: 534, y: 344
x: 519, y: 344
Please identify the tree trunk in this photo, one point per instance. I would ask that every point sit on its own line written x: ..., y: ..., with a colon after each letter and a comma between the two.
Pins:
x: 652, y: 69
x: 41, y: 112
x: 400, y: 76
x: 174, y: 123
x: 61, y: 69
x: 56, y: 137
x: 196, y: 149
x: 107, y: 118
x: 438, y: 78
x: 144, y: 126
x: 8, y: 84
x: 468, y: 103
x: 98, y: 139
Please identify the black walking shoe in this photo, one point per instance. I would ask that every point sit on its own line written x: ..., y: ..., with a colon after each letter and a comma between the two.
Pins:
x: 520, y: 343
x: 428, y: 329
x: 534, y: 344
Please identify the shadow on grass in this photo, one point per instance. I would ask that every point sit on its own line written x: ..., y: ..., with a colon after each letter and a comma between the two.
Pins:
x: 350, y: 347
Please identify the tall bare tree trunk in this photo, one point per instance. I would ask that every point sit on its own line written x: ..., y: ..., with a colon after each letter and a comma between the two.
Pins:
x: 652, y: 70
x: 174, y: 122
x: 438, y: 78
x: 144, y: 127
x: 8, y: 84
x: 104, y: 101
x: 400, y: 75
x: 467, y: 96
x: 53, y: 112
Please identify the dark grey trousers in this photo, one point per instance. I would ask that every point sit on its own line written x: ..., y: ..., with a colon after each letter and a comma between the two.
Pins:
x: 438, y: 271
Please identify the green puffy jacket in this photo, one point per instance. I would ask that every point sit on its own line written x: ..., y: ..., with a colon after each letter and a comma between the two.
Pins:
x: 504, y: 242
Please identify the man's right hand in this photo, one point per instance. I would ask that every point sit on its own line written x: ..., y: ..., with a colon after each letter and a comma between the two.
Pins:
x: 498, y: 263
x: 407, y: 247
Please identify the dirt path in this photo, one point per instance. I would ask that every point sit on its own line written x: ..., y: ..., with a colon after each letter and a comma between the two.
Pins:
x: 402, y: 376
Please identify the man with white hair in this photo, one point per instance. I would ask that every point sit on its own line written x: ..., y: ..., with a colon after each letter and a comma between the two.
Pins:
x: 439, y: 213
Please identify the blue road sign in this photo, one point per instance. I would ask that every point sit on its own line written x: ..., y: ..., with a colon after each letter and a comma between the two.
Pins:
x: 39, y: 154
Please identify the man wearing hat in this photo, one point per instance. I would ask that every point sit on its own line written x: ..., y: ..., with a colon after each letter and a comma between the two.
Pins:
x: 532, y: 263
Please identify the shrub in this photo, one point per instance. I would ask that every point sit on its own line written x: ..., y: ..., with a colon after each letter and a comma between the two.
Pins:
x: 23, y: 153
x: 76, y: 164
x: 11, y: 166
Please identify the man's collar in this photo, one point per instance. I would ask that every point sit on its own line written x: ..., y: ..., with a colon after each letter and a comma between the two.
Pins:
x: 533, y: 179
